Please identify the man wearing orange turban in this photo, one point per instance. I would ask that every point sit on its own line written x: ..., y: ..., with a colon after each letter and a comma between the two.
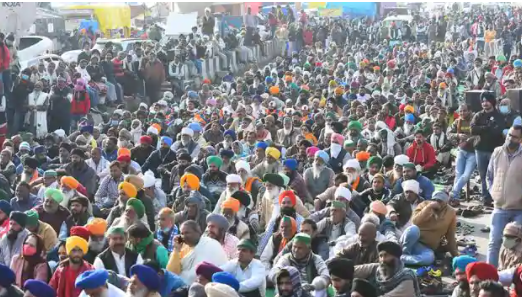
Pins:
x: 189, y: 182
x: 238, y: 228
x: 71, y: 187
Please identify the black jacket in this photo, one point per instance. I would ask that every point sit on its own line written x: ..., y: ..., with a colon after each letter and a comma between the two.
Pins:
x: 489, y: 127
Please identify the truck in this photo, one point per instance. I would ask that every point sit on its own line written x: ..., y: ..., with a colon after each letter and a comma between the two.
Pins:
x: 17, y: 17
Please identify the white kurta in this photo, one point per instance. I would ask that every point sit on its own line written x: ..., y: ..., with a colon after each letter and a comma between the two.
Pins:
x: 40, y: 117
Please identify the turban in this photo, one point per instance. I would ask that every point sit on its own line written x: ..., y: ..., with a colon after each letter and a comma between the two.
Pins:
x: 97, y: 226
x: 482, y: 270
x: 147, y: 276
x: 261, y: 145
x: 349, y: 143
x: 233, y: 179
x: 191, y: 180
x: 135, y: 180
x: 128, y: 188
x: 214, y: 160
x: 311, y: 151
x: 378, y: 207
x: 247, y: 244
x: 157, y: 127
x: 290, y: 164
x: 353, y: 163
x: 286, y: 179
x: 115, y: 230
x: 152, y: 130
x: 31, y: 162
x: 146, y: 139
x: 40, y: 149
x: 214, y: 289
x: 39, y: 288
x: 241, y: 164
x: 517, y: 63
x: 231, y: 203
x: 149, y: 180
x: 408, y: 165
x: 364, y: 288
x: 409, y: 109
x: 18, y: 217
x: 341, y: 267
x: 166, y: 140
x: 5, y: 207
x: 78, y: 152
x: 375, y: 160
x: 187, y: 131
x: 70, y: 182
x: 24, y: 146
x: 323, y: 155
x: 124, y: 158
x: 441, y: 196
x: 410, y: 118
x: 401, y: 160
x: 50, y: 173
x: 185, y: 156
x: 343, y: 192
x: 274, y: 179
x: 32, y: 218
x: 290, y: 194
x: 338, y: 138
x: 338, y: 205
x: 92, y: 279
x: 87, y: 128
x: 273, y: 152
x: 76, y: 242
x: 461, y: 262
x: 226, y: 153
x: 230, y: 133
x: 137, y: 206
x: 242, y: 196
x: 226, y: 279
x: 275, y: 90
x: 195, y: 127
x: 391, y: 248
x: 207, y: 270
x: 54, y: 194
x: 8, y: 276
x: 219, y: 220
x: 362, y: 156
x: 355, y: 125
x: 80, y: 231
x: 411, y: 185
x: 304, y: 238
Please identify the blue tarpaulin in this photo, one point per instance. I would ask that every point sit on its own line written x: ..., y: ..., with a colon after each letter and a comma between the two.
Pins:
x: 355, y: 9
x: 85, y: 24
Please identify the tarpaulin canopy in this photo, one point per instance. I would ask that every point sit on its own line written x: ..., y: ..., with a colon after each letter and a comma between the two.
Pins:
x: 109, y: 16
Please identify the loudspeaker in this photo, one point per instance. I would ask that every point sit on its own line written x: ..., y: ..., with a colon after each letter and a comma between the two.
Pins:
x: 515, y: 96
x: 473, y: 100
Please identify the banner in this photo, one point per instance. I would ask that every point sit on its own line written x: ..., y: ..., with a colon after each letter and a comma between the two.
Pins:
x: 330, y: 12
x: 313, y: 5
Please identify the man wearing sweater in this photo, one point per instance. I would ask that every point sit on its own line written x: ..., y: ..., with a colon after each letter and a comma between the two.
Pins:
x: 503, y: 181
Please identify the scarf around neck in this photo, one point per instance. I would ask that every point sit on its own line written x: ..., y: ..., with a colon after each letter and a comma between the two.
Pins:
x: 385, y: 285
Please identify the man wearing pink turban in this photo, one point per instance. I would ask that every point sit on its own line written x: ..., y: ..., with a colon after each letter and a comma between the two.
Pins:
x: 338, y: 155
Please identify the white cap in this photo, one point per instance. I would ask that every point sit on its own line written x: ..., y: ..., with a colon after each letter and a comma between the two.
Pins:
x: 162, y: 102
x: 352, y: 163
x: 242, y: 164
x: 118, y: 112
x: 401, y: 159
x: 343, y: 192
x: 144, y: 105
x: 148, y: 179
x: 411, y: 185
x: 187, y: 131
x: 152, y: 130
x: 60, y: 132
x: 233, y: 179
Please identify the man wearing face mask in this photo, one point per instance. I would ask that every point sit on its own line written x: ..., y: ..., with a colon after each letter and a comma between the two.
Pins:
x: 511, y: 255
x: 338, y: 155
x: 503, y: 183
x: 511, y: 117
x: 392, y: 278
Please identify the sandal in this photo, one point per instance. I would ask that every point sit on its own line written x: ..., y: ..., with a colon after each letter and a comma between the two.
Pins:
x: 485, y: 229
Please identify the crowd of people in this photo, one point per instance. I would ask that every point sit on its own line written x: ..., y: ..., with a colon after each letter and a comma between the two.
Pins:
x: 338, y: 169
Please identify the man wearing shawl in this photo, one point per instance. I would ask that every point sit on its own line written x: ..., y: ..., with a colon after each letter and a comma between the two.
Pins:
x: 355, y: 128
x: 336, y: 224
x: 296, y: 180
x: 217, y: 228
x: 190, y: 249
x: 162, y: 156
x: 389, y: 276
x: 288, y: 283
x: 215, y: 179
x: 389, y: 145
x: 312, y: 269
x: 319, y: 177
x: 511, y: 252
x: 270, y: 165
x: 194, y: 209
x: 252, y: 184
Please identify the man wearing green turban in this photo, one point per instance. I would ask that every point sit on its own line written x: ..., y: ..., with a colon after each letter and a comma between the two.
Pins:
x: 355, y: 128
x: 214, y: 160
x: 44, y: 230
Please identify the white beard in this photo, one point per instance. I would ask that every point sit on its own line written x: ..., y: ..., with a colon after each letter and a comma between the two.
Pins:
x: 227, y: 145
x: 122, y: 143
x: 244, y: 177
x: 407, y: 128
x: 272, y: 195
x: 287, y: 131
x: 351, y: 177
x: 143, y: 292
x: 97, y: 246
x: 126, y: 223
x: 229, y: 193
x: 25, y: 177
x: 317, y: 170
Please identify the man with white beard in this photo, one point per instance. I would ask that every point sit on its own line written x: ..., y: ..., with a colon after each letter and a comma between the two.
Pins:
x: 269, y: 205
x: 270, y: 165
x: 319, y: 177
x: 97, y: 240
x: 287, y: 135
x: 7, y: 283
x: 394, y: 175
x: 352, y: 169
x: 229, y: 136
x: 94, y: 283
x: 233, y: 185
x: 405, y: 134
x: 144, y: 282
x: 187, y: 142
x: 251, y: 184
x: 50, y: 180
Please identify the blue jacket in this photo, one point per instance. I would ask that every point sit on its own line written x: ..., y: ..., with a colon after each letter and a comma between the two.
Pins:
x: 170, y: 282
x: 426, y: 187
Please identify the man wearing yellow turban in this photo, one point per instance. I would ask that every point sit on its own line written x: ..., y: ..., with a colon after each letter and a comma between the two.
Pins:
x: 126, y: 191
x: 271, y: 164
x: 65, y: 275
